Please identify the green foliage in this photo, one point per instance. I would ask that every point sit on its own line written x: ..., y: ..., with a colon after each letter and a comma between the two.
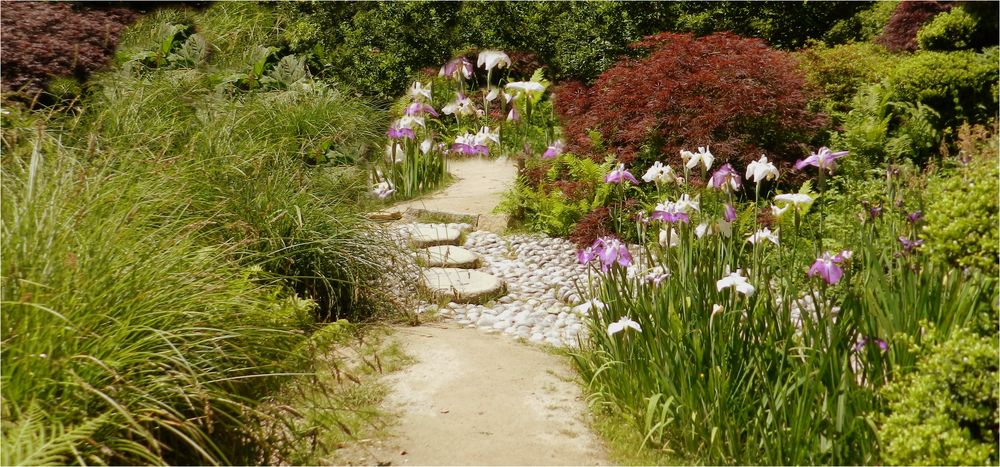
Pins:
x: 959, y: 86
x: 785, y: 25
x: 946, y: 412
x: 951, y: 30
x: 865, y: 26
x: 840, y: 71
x: 962, y: 221
x: 374, y: 47
x: 168, y: 245
x: 570, y: 187
x: 102, y: 328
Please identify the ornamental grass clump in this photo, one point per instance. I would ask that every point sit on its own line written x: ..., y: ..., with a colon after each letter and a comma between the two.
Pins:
x: 731, y: 342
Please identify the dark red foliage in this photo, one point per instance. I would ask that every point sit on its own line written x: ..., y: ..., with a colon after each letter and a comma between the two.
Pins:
x: 43, y: 39
x: 900, y: 33
x: 593, y: 225
x: 523, y: 64
x: 736, y: 95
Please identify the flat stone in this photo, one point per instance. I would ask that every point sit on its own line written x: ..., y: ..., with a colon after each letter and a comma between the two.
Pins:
x: 448, y: 256
x: 425, y: 235
x: 463, y: 285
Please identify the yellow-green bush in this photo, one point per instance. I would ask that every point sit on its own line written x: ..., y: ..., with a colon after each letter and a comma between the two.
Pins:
x: 951, y: 30
x: 945, y: 413
x: 960, y: 86
x: 962, y: 216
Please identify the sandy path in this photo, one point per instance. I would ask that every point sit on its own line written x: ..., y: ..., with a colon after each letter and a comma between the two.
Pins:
x: 478, y: 187
x: 478, y: 399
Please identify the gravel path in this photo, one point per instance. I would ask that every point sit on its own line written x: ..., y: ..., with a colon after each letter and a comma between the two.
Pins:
x: 543, y: 304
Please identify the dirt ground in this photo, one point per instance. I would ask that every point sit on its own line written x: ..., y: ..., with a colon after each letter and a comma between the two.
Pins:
x: 477, y: 399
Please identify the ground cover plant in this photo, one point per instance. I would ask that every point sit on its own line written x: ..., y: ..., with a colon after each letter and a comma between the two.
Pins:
x: 173, y: 238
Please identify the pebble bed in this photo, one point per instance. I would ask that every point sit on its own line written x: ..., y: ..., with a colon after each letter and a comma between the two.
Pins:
x: 543, y: 303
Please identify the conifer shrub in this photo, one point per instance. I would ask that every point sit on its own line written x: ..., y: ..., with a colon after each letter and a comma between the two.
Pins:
x: 737, y: 95
x: 959, y: 86
x: 948, y: 31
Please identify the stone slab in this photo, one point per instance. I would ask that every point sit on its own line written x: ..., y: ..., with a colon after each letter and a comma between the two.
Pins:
x: 448, y: 256
x: 463, y: 285
x: 421, y: 215
x: 425, y: 235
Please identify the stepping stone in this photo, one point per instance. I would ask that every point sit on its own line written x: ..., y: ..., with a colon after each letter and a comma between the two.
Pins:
x: 463, y: 285
x: 425, y: 235
x: 448, y: 256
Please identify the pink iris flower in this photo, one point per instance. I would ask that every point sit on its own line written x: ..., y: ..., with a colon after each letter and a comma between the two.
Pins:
x: 827, y: 266
x: 824, y: 159
x: 726, y: 179
x: 398, y: 132
x: 620, y: 175
x: 609, y: 250
x: 457, y: 66
x: 553, y: 150
x: 419, y: 108
x: 729, y: 213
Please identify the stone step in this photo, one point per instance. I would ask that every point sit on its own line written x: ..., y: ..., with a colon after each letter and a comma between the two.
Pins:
x: 463, y: 285
x: 448, y: 256
x: 426, y: 235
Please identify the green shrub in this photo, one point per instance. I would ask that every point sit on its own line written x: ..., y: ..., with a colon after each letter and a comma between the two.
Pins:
x: 841, y: 71
x: 560, y: 194
x: 951, y: 30
x: 960, y: 86
x: 375, y: 47
x: 784, y: 25
x: 864, y: 26
x: 962, y: 219
x: 945, y: 413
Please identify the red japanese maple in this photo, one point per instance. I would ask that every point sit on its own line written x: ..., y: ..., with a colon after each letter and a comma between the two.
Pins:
x: 736, y: 95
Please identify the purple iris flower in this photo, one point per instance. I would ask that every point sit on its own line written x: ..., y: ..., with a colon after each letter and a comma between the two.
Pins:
x: 867, y: 340
x: 419, y: 108
x: 726, y: 179
x: 873, y: 210
x: 453, y: 68
x: 397, y: 132
x: 611, y: 251
x: 586, y: 255
x: 620, y: 175
x: 669, y: 216
x: 910, y: 245
x: 554, y: 150
x: 513, y: 115
x: 729, y: 213
x: 914, y: 216
x: 824, y: 159
x: 470, y: 149
x: 827, y: 268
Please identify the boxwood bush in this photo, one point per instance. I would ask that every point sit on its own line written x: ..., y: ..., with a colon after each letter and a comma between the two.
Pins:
x: 962, y: 220
x: 945, y: 413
